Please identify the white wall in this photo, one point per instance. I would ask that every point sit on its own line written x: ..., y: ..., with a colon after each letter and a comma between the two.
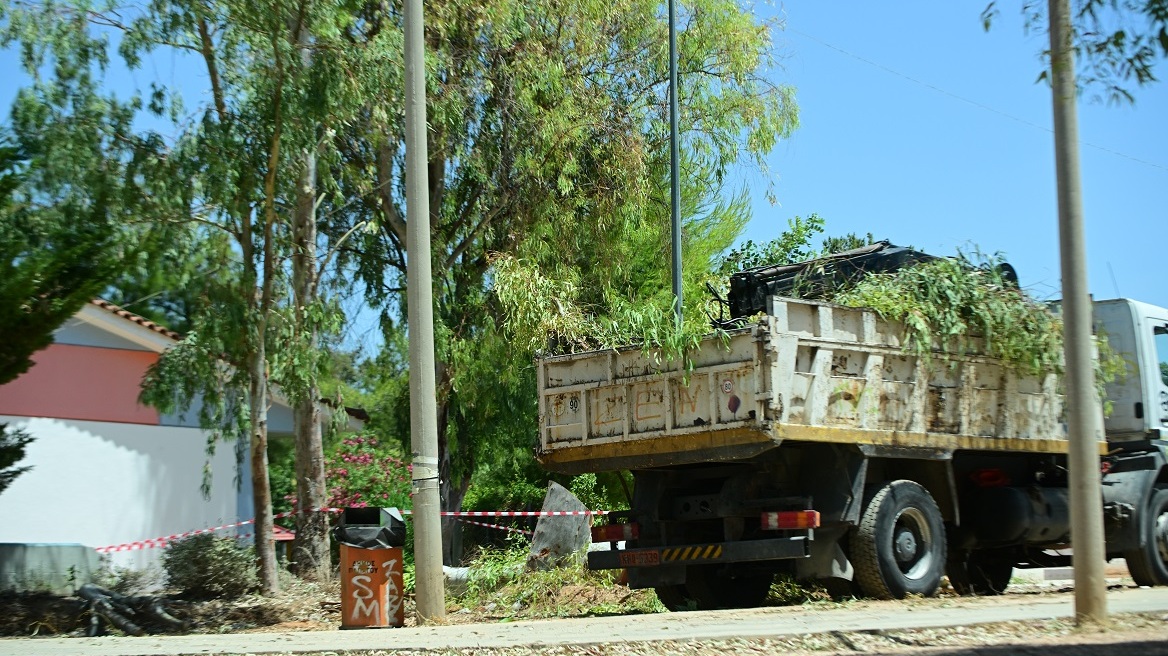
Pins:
x: 99, y: 484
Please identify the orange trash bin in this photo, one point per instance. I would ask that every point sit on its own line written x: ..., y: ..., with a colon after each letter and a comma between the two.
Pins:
x: 372, y: 592
x: 372, y: 589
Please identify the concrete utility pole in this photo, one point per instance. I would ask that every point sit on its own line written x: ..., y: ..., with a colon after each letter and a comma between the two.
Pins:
x: 428, y: 578
x: 1084, y: 415
x: 674, y: 158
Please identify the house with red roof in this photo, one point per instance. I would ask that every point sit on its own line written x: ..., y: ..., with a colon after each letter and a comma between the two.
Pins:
x: 107, y: 470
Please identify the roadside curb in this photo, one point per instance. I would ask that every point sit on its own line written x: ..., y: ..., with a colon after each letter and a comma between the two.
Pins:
x: 746, y: 624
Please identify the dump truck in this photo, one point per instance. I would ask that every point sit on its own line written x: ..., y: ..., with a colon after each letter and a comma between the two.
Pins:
x: 809, y: 442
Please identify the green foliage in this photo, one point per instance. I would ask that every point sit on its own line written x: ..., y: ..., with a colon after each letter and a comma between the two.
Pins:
x: 793, y: 245
x: 12, y: 446
x: 546, y: 141
x: 297, y: 362
x: 171, y: 275
x: 850, y: 241
x: 603, y: 491
x: 1116, y: 42
x: 964, y: 306
x: 490, y: 489
x: 282, y: 477
x: 547, y: 144
x: 130, y: 581
x: 191, y: 375
x: 73, y: 182
x: 57, y: 245
x: 494, y: 568
x: 364, y: 471
x: 498, y: 579
x: 786, y: 591
x: 205, y: 566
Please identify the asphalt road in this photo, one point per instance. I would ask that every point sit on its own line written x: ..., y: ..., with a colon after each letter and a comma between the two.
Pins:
x: 713, y: 625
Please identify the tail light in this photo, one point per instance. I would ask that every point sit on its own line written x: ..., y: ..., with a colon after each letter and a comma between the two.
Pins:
x: 790, y: 519
x: 616, y: 532
x: 990, y: 478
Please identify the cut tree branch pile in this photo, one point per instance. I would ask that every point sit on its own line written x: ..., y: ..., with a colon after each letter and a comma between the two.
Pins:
x: 148, y: 613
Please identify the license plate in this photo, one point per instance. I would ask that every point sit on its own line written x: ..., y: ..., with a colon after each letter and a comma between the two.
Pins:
x: 639, y: 558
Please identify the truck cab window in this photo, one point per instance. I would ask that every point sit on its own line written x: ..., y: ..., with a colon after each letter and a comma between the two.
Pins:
x: 1162, y: 351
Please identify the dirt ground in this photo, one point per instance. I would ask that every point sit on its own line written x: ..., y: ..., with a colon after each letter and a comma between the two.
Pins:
x: 305, y: 607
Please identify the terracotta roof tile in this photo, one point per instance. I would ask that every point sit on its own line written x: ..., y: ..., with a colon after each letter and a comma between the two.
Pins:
x: 130, y: 316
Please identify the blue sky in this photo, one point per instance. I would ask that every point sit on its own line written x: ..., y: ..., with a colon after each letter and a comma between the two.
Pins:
x: 960, y: 155
x: 920, y: 127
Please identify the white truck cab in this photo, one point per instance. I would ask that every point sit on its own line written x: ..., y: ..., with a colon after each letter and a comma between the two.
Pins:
x: 1138, y: 401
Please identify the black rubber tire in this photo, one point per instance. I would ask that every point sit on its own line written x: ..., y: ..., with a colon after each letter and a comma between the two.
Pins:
x: 980, y: 572
x: 898, y: 548
x: 675, y: 598
x: 1149, y: 565
x: 712, y: 586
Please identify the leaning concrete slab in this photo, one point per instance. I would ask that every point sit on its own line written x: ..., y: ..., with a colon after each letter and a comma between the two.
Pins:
x: 558, y: 539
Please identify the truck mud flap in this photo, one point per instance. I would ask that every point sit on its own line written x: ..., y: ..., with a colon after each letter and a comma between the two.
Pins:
x: 697, y: 554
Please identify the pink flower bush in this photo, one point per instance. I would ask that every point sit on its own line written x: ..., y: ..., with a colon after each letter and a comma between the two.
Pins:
x: 360, y: 472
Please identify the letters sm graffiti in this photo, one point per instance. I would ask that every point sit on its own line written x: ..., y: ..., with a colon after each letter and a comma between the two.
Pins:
x: 372, y: 594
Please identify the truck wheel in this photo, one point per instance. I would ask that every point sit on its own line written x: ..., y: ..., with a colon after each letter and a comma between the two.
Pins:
x: 675, y: 598
x: 898, y: 548
x: 1149, y: 564
x: 980, y: 572
x: 714, y: 586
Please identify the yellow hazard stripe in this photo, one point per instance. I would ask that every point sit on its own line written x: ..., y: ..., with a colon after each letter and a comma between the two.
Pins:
x: 698, y: 552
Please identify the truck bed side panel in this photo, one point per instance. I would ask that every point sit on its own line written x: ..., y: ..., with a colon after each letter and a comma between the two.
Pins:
x: 809, y: 371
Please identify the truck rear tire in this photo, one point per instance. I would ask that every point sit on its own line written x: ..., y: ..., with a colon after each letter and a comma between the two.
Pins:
x: 898, y: 548
x: 980, y: 572
x: 675, y: 598
x: 1149, y: 564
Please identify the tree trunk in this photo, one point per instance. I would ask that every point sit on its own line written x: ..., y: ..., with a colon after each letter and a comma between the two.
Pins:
x: 310, y: 550
x: 451, y: 492
x: 261, y: 490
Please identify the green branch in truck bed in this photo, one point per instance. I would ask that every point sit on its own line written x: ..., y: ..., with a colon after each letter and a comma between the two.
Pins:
x: 543, y: 314
x: 961, y: 305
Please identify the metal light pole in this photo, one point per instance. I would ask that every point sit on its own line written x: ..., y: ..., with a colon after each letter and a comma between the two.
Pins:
x: 1084, y: 415
x: 674, y: 168
x: 431, y: 596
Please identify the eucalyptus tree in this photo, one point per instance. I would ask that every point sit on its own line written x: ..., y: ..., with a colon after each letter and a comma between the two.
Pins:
x: 234, y: 171
x: 251, y: 159
x: 547, y: 131
x: 1116, y: 42
x: 66, y: 192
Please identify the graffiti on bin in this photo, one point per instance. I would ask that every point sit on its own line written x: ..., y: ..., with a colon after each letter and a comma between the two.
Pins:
x: 366, y: 605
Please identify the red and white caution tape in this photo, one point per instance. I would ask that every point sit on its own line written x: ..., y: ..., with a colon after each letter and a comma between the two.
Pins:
x: 524, y: 513
x: 166, y: 540
x: 496, y: 526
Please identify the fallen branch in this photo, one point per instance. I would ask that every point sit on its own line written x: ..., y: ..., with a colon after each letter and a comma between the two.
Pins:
x: 116, y: 609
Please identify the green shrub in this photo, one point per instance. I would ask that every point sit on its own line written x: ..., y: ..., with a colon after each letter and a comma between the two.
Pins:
x: 499, y: 581
x: 206, y: 566
x: 128, y: 580
x: 361, y: 471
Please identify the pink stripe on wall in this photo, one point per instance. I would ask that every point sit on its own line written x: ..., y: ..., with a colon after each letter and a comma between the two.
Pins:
x: 81, y: 382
